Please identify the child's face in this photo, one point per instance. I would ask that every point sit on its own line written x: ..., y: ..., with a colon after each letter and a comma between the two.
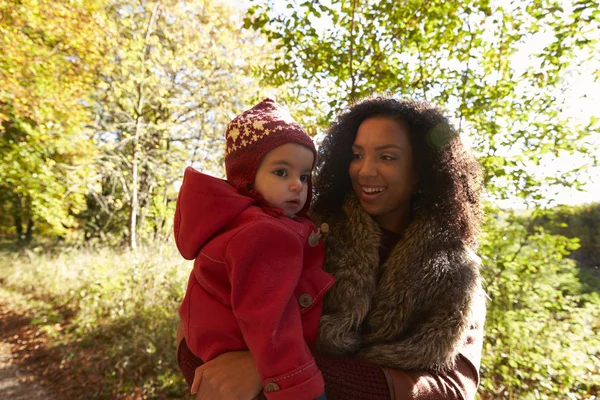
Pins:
x: 283, y: 176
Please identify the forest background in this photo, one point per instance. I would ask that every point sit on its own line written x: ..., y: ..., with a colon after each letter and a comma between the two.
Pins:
x: 104, y: 102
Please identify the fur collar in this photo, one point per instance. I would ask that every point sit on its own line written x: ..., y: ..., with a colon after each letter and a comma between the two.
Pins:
x: 415, y: 317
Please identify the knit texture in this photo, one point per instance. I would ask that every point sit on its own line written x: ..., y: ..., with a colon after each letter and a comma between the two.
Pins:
x: 188, y: 362
x: 251, y: 135
x: 352, y: 379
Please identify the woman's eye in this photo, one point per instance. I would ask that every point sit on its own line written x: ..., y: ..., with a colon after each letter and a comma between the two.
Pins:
x: 388, y: 158
x: 356, y: 156
x: 280, y: 172
x: 304, y: 178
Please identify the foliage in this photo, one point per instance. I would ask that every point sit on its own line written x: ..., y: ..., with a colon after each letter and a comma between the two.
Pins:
x: 463, y: 56
x: 180, y: 71
x: 51, y: 54
x: 122, y: 306
x: 152, y: 83
x: 580, y: 222
x: 543, y: 323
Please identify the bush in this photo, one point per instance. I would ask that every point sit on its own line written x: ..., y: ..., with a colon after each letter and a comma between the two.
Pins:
x: 542, y: 329
x: 582, y: 222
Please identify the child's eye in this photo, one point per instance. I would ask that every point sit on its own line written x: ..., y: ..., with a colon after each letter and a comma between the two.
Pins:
x: 280, y: 172
x: 305, y: 178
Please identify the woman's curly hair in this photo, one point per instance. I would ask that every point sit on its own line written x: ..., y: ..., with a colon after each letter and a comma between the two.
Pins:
x: 449, y: 177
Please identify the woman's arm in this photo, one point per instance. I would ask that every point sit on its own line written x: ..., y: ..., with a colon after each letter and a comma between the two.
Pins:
x: 459, y: 383
x: 361, y: 380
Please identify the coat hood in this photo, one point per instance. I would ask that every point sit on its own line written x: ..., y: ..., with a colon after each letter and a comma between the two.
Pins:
x: 205, y: 205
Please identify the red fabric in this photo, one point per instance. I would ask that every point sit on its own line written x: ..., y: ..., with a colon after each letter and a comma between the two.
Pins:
x: 253, y: 134
x: 244, y: 291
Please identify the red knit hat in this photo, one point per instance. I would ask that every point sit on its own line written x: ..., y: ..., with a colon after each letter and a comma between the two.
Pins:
x: 255, y: 132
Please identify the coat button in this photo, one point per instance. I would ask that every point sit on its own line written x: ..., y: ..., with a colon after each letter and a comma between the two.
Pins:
x: 305, y: 300
x: 271, y: 387
x: 313, y: 239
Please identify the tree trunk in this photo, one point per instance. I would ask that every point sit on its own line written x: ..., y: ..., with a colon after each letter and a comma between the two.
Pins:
x: 18, y: 218
x: 29, y: 231
x: 134, y: 184
x: 136, y: 141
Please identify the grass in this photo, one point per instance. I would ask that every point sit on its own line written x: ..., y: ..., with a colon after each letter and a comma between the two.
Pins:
x: 121, y: 305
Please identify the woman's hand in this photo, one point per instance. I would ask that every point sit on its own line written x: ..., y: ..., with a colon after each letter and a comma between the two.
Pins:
x: 231, y: 375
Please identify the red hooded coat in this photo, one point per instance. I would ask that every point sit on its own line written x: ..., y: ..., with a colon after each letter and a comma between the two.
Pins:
x: 257, y: 284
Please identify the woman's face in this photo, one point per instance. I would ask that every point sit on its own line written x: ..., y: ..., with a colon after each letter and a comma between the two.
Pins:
x: 382, y: 171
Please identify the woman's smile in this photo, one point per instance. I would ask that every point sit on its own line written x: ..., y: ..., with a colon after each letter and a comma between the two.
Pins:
x: 371, y: 193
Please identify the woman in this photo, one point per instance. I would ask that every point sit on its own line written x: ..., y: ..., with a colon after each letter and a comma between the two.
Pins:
x: 400, y: 194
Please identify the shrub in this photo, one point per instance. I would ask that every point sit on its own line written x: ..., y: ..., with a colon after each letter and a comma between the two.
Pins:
x: 542, y: 329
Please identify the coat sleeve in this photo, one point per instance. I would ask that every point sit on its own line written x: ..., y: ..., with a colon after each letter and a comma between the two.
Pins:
x: 264, y: 263
x: 361, y: 380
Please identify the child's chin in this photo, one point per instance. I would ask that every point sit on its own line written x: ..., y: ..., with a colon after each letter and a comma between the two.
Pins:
x: 290, y: 211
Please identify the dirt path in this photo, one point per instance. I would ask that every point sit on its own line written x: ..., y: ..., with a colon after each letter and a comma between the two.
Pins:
x: 16, y: 384
x: 35, y: 367
x: 26, y: 366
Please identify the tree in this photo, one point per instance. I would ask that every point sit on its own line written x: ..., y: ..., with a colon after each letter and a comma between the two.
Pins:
x: 542, y: 331
x: 461, y: 55
x: 51, y: 54
x: 179, y: 72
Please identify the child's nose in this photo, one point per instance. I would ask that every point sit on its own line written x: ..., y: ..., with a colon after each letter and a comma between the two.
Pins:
x: 296, y: 185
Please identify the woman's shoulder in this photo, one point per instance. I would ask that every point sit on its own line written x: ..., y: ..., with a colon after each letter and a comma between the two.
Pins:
x: 453, y: 257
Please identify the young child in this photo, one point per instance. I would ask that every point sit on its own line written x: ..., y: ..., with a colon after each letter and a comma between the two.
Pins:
x: 257, y: 282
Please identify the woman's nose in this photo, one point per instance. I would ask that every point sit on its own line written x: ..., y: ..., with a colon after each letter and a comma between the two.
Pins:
x: 367, y: 168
